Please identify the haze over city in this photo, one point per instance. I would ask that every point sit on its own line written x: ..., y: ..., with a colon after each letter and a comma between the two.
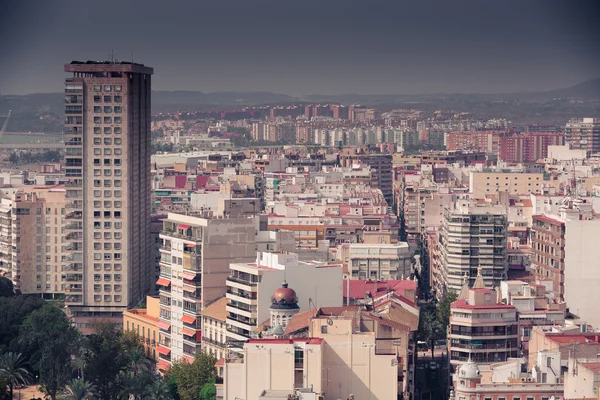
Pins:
x: 299, y: 200
x: 309, y: 47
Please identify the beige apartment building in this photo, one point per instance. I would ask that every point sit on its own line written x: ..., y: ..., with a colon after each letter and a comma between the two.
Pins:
x: 492, y: 182
x: 214, y: 328
x: 107, y: 163
x: 360, y: 353
x: 32, y: 243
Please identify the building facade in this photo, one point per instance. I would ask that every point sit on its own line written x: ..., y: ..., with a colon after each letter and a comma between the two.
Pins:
x: 143, y: 322
x: 482, y: 329
x: 107, y: 163
x: 583, y: 134
x: 195, y: 258
x: 471, y: 237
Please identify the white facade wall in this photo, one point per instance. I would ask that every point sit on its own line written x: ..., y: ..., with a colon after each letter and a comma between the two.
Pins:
x: 582, y: 269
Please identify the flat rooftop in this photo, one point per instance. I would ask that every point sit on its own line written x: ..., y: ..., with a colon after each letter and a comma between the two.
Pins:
x: 107, y: 66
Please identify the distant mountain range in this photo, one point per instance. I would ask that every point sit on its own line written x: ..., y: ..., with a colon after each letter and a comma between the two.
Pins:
x: 43, y: 112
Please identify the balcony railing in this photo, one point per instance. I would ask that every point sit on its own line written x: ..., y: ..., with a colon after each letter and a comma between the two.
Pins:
x: 242, y: 281
x: 244, y: 295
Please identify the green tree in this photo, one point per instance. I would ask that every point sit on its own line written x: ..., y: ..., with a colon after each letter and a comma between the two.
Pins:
x: 106, y: 359
x: 12, y: 369
x: 78, y: 389
x: 209, y: 390
x: 13, y: 311
x: 190, y: 378
x: 6, y: 287
x: 443, y: 307
x: 158, y: 390
x: 430, y: 328
x: 52, y: 340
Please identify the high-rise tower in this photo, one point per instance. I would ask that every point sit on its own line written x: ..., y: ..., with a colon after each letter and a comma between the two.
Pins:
x: 107, y: 138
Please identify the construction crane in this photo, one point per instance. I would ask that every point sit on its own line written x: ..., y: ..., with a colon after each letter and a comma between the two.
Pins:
x: 5, y: 124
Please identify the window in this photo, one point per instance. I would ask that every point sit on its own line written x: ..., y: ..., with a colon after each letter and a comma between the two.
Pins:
x: 97, y: 88
x: 96, y: 214
x: 117, y: 193
x: 107, y: 109
x: 107, y: 88
x: 323, y: 328
x: 118, y: 120
x: 107, y: 256
x: 96, y: 183
x: 97, y: 140
x: 118, y: 235
x: 107, y: 193
x: 107, y: 130
x: 97, y: 120
x: 118, y: 99
x: 107, y: 172
x: 118, y: 109
x: 107, y: 152
x: 97, y: 172
x: 117, y: 88
x: 118, y: 152
x: 117, y: 140
x: 117, y: 256
x: 107, y: 120
x: 97, y: 109
x: 96, y: 277
x: 118, y: 204
x: 117, y: 129
x: 96, y: 130
x: 117, y: 172
x: 97, y: 193
x: 117, y: 183
x: 107, y: 225
x: 107, y: 141
x: 117, y: 214
x: 97, y: 99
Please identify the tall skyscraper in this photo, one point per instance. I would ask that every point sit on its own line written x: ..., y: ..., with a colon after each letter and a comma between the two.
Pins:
x: 107, y: 138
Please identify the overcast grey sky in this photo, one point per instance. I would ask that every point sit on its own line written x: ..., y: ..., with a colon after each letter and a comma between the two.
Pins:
x: 307, y: 47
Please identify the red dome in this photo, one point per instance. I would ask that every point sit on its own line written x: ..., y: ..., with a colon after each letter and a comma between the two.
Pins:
x: 285, y: 293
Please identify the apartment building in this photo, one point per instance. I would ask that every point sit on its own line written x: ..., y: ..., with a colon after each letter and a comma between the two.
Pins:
x: 251, y: 287
x: 472, y: 236
x: 144, y: 323
x: 377, y: 261
x: 529, y: 147
x: 564, y: 251
x: 482, y: 329
x: 33, y: 242
x: 381, y: 166
x: 107, y: 161
x: 194, y: 265
x: 214, y: 328
x: 321, y: 364
x: 583, y: 134
x: 516, y: 181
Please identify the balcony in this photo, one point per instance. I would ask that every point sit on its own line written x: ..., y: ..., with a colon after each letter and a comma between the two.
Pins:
x: 71, y: 299
x: 74, y: 226
x: 192, y: 261
x: 241, y: 281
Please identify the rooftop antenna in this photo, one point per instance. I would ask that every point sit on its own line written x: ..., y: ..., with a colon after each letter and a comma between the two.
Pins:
x: 132, y: 57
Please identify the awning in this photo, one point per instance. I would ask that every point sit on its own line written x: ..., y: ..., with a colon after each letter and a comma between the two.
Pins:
x: 163, y: 282
x: 183, y: 226
x: 163, y: 365
x: 164, y: 325
x: 187, y: 319
x: 189, y: 289
x: 188, y: 332
x: 188, y: 275
x: 189, y: 359
x: 165, y: 351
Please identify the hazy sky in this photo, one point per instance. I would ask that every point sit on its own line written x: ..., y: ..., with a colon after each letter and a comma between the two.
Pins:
x: 307, y: 47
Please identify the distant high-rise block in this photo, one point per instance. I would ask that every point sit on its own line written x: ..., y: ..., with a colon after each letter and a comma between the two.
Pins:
x: 583, y: 134
x: 107, y: 161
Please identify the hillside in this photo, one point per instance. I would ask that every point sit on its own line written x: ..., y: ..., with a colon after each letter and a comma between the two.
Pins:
x: 43, y: 112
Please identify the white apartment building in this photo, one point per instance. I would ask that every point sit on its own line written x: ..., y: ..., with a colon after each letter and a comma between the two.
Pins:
x: 250, y: 287
x: 472, y: 236
x: 377, y: 261
x: 194, y: 265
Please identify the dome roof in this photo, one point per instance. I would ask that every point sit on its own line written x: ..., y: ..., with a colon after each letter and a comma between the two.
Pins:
x: 469, y: 370
x: 284, y: 294
x: 277, y: 330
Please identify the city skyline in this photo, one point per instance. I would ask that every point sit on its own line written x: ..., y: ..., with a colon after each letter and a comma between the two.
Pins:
x: 303, y: 49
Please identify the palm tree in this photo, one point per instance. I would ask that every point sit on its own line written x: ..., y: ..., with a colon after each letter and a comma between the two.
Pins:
x: 138, y: 363
x: 79, y: 389
x: 80, y: 362
x: 157, y: 390
x: 12, y: 369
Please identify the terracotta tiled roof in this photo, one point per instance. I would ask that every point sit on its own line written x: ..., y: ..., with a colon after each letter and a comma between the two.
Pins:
x: 300, y: 321
x: 216, y: 309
